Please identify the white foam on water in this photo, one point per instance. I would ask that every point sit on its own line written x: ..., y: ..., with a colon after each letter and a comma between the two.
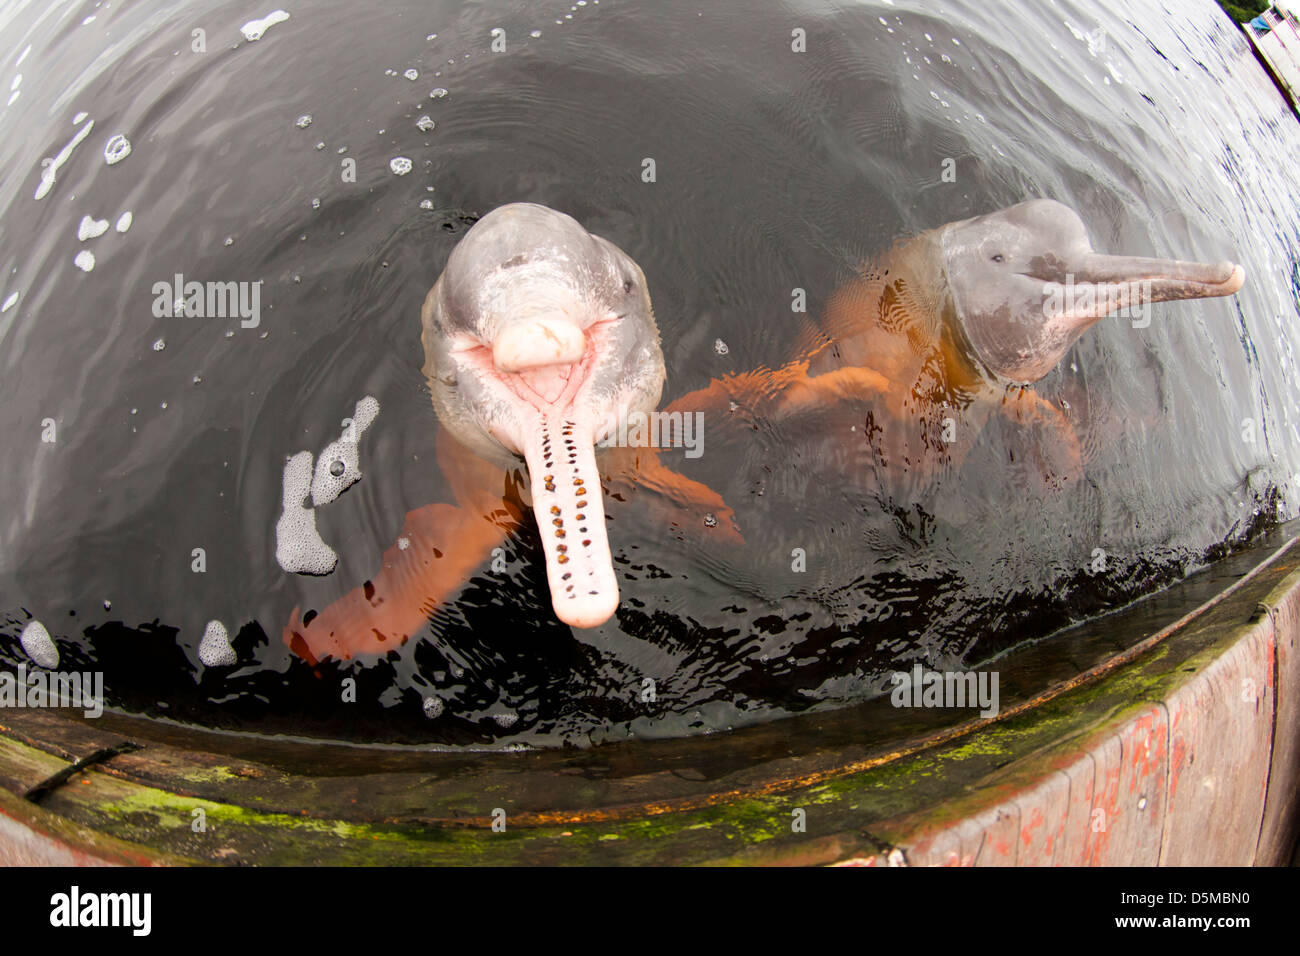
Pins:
x: 403, y: 544
x: 299, y: 548
x: 9, y: 302
x: 327, y: 486
x: 124, y: 221
x: 253, y: 29
x: 51, y: 170
x: 215, y: 649
x: 116, y: 149
x: 505, y: 720
x: 38, y: 644
x: 400, y: 165
x: 85, y: 260
x: 90, y: 228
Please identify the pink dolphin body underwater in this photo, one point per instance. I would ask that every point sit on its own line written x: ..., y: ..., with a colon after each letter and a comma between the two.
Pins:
x: 539, y: 336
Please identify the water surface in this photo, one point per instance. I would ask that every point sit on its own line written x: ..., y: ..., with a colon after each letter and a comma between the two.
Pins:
x: 775, y: 170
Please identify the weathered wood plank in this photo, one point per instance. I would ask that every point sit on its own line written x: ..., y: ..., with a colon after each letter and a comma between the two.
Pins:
x: 1220, y: 727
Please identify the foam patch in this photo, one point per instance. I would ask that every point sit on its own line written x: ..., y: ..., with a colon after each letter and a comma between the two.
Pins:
x: 299, y: 548
x: 215, y: 649
x: 38, y: 644
x: 338, y: 467
x: 91, y: 228
x: 253, y: 29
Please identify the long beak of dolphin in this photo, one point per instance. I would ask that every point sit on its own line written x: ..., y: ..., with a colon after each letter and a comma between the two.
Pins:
x: 551, y: 358
x: 1120, y: 282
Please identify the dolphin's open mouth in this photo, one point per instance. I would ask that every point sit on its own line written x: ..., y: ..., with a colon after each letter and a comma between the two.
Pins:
x: 546, y: 411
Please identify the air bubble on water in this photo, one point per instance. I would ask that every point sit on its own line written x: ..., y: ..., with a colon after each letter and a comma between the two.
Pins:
x: 135, y: 411
x: 38, y: 644
x: 297, y: 280
x: 254, y: 29
x: 412, y: 75
x: 215, y: 649
x: 228, y: 241
x: 403, y: 543
x: 341, y: 150
x: 124, y: 221
x: 437, y: 93
x: 426, y: 203
x: 432, y: 36
x: 9, y: 302
x: 163, y: 405
x: 315, y: 202
x: 535, y: 34
x: 400, y: 165
x: 108, y: 605
x: 425, y: 124
x: 433, y: 707
x: 197, y: 379
x: 85, y: 260
x: 337, y: 468
x: 230, y: 333
x: 303, y: 121
x: 116, y: 149
x: 710, y: 521
x: 319, y: 146
x: 159, y: 345
x: 720, y: 347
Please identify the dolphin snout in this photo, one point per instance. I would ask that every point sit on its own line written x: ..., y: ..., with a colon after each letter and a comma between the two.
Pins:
x: 538, y: 342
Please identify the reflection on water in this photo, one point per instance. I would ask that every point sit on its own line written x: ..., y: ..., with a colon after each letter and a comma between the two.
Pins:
x: 137, y: 437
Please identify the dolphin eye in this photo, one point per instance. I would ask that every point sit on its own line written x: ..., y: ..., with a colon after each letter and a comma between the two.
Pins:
x: 628, y: 285
x: 999, y: 257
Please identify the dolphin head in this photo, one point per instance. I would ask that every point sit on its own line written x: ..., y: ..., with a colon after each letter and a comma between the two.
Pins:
x: 1026, y: 284
x: 538, y: 338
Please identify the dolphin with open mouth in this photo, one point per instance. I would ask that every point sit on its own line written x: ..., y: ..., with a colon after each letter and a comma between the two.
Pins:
x: 539, y: 341
x: 538, y: 338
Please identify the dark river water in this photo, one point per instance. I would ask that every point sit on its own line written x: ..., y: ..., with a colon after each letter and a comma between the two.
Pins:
x: 132, y: 439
